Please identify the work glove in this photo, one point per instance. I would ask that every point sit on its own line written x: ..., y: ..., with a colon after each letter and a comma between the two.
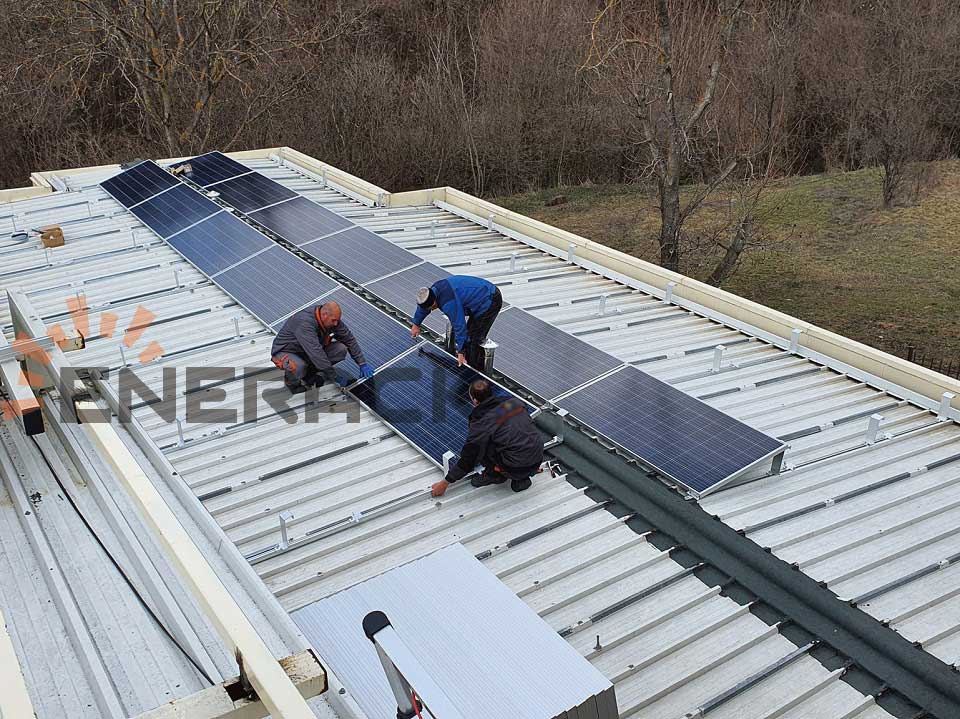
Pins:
x: 366, y: 371
x: 344, y: 381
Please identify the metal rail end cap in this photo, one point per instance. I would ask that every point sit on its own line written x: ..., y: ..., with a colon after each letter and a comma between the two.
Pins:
x: 373, y: 623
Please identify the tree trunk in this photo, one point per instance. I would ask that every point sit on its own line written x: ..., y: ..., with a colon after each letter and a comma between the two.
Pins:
x: 891, y: 183
x: 729, y: 260
x: 670, y: 225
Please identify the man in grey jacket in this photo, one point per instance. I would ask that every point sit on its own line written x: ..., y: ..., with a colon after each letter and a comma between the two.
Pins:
x: 310, y: 343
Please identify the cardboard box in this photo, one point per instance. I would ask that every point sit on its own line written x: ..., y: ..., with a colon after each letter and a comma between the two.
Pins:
x: 51, y: 236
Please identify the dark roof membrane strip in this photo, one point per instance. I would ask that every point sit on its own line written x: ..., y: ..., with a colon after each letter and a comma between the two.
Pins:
x: 910, y: 675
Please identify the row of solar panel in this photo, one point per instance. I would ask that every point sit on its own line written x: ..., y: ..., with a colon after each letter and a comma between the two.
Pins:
x: 346, y: 248
x: 682, y: 437
x: 422, y: 394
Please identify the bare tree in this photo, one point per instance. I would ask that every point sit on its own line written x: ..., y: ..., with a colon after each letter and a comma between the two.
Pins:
x: 884, y: 76
x: 177, y: 65
x: 669, y: 63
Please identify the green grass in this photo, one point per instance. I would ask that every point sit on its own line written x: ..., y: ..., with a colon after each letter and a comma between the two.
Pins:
x: 883, y: 277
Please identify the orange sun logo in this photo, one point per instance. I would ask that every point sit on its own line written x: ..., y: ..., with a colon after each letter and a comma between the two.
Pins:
x: 80, y: 316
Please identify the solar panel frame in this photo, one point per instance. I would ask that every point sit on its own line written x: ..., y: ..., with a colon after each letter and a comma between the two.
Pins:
x: 399, y: 291
x: 273, y: 283
x: 251, y: 192
x: 693, y: 444
x: 543, y: 358
x: 211, y: 168
x: 360, y: 255
x: 416, y: 395
x: 218, y: 242
x: 138, y: 183
x: 174, y: 210
x: 300, y: 220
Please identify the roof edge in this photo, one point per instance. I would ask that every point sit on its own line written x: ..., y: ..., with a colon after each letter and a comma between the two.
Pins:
x: 814, y: 342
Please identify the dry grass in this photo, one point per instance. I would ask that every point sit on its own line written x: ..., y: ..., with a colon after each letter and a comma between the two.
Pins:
x: 837, y: 260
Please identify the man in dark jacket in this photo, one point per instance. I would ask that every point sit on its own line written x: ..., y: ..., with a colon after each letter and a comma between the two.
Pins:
x: 460, y: 297
x: 310, y: 343
x: 502, y: 438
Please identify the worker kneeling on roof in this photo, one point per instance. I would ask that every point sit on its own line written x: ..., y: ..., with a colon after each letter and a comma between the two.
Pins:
x: 310, y: 343
x: 459, y: 297
x: 502, y: 438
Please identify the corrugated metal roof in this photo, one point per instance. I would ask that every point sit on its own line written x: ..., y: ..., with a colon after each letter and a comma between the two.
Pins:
x: 668, y: 652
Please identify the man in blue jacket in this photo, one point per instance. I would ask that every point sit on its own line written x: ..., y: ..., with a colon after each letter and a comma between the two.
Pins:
x: 310, y: 343
x: 470, y: 303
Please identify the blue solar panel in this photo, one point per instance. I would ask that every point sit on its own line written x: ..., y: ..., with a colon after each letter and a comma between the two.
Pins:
x: 212, y: 167
x: 683, y: 438
x: 174, y: 210
x: 218, y: 242
x: 423, y: 396
x: 381, y: 338
x: 274, y: 283
x: 544, y: 359
x: 400, y: 291
x: 138, y: 183
x: 300, y: 220
x: 360, y: 255
x: 252, y: 192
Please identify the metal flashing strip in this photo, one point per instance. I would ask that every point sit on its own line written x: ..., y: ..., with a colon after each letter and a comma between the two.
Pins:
x: 913, y: 678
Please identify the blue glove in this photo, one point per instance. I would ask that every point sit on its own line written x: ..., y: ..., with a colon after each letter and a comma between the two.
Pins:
x: 366, y: 372
x: 344, y: 381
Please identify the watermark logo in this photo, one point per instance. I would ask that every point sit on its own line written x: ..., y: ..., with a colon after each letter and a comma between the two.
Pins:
x: 224, y: 397
x: 32, y: 374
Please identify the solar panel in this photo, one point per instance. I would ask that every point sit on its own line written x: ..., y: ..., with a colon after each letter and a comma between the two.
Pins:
x: 423, y: 396
x: 400, y: 291
x: 252, y: 192
x: 274, y: 283
x: 300, y: 220
x: 694, y: 444
x: 360, y: 255
x: 544, y: 359
x: 174, y: 210
x: 219, y: 242
x: 212, y: 167
x: 381, y: 338
x: 138, y: 183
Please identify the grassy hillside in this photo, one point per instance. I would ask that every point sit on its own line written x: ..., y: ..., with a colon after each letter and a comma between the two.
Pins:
x: 836, y: 259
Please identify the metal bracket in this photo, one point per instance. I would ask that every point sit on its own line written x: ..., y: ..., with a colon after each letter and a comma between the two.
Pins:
x: 284, y: 517
x: 489, y: 348
x: 447, y: 458
x: 873, y: 428
x: 795, y: 340
x: 668, y: 293
x: 717, y: 359
x: 943, y: 413
x: 450, y: 341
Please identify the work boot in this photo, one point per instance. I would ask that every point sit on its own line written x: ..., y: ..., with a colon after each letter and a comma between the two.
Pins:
x: 518, y: 485
x: 487, y: 478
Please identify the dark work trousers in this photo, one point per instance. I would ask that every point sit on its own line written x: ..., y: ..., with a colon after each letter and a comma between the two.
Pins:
x: 296, y: 369
x: 478, y: 327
